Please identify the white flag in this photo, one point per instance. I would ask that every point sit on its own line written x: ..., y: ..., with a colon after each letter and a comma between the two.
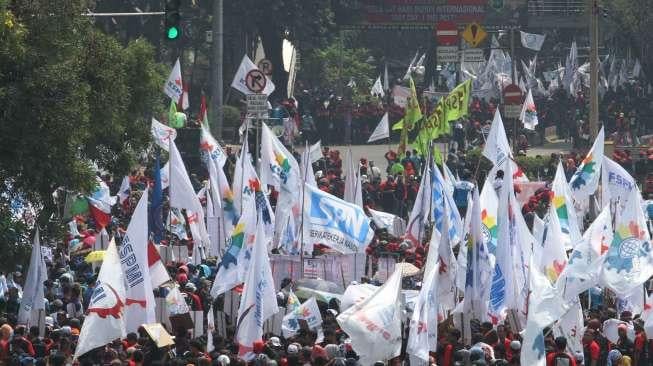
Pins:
x: 629, y: 260
x: 586, y: 260
x: 497, y: 148
x: 528, y: 114
x: 381, y: 131
x: 240, y: 80
x: 33, y: 298
x: 420, y: 212
x: 139, y: 301
x: 616, y: 183
x: 586, y: 178
x: 315, y: 151
x: 545, y: 306
x: 258, y: 301
x: 571, y: 327
x: 335, y: 223
x: 308, y: 311
x: 374, y: 325
x: 104, y: 321
x: 563, y: 203
x: 424, y: 322
x: 353, y: 191
x: 182, y: 195
x: 210, y: 328
x: 174, y: 87
x: 394, y: 224
x: 210, y: 149
x: 162, y: 134
x: 123, y: 192
x: 377, y: 88
x: 532, y: 40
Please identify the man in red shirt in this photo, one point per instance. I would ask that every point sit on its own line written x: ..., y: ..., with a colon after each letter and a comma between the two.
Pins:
x: 560, y: 357
x: 591, y: 349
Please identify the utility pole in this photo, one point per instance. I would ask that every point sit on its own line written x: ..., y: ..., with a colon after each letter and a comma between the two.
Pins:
x: 217, y: 87
x: 594, y: 67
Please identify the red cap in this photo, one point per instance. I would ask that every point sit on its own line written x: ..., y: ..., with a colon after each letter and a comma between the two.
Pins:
x: 259, y: 346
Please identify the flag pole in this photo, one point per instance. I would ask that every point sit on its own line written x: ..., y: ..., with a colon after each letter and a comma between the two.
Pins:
x: 301, y: 226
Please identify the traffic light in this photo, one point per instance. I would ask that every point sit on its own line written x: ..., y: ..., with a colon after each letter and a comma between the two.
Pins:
x: 172, y: 19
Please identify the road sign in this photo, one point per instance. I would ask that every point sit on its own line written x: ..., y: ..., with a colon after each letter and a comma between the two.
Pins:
x: 474, y: 34
x: 471, y: 55
x: 446, y: 33
x: 446, y: 54
x: 512, y: 101
x: 265, y: 65
x: 257, y: 105
x: 512, y: 94
x: 255, y: 81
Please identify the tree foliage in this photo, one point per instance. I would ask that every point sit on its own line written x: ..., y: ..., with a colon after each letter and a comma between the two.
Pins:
x: 71, y: 96
x: 336, y: 65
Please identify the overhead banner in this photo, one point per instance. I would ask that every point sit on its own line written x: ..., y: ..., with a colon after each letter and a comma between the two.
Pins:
x: 426, y: 13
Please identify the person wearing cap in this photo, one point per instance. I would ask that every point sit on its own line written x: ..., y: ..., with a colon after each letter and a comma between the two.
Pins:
x: 515, y: 351
x: 560, y: 356
x: 192, y: 299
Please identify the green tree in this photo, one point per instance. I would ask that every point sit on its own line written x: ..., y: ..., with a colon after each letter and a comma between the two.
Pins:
x: 629, y: 23
x: 305, y: 23
x: 334, y: 66
x: 71, y: 96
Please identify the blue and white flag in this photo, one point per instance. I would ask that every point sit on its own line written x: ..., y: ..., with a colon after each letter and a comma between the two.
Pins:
x: 586, y: 178
x: 629, y: 260
x: 616, y: 183
x: 442, y: 197
x: 335, y: 223
x: 308, y: 311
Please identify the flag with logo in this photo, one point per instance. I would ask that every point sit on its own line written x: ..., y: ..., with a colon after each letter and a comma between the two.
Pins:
x: 382, y: 130
x: 100, y: 203
x: 162, y: 134
x: 564, y: 207
x: 177, y: 224
x: 139, y: 301
x: 447, y: 266
x: 441, y: 198
x: 554, y: 254
x: 105, y: 320
x: 479, y: 267
x: 616, y: 183
x: 330, y: 221
x: 174, y: 86
x: 374, y: 325
x: 585, y: 261
x: 210, y: 149
x: 629, y: 260
x: 528, y: 115
x: 532, y: 41
x: 255, y: 305
x: 33, y: 298
x: 586, y: 178
x: 280, y: 170
x: 123, y: 191
x: 308, y: 311
x: 456, y: 104
x: 545, y: 306
x: 571, y: 326
x: 240, y: 79
x: 236, y: 259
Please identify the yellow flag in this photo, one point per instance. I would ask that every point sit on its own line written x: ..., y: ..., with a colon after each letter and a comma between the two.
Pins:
x: 456, y: 104
x: 412, y: 116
